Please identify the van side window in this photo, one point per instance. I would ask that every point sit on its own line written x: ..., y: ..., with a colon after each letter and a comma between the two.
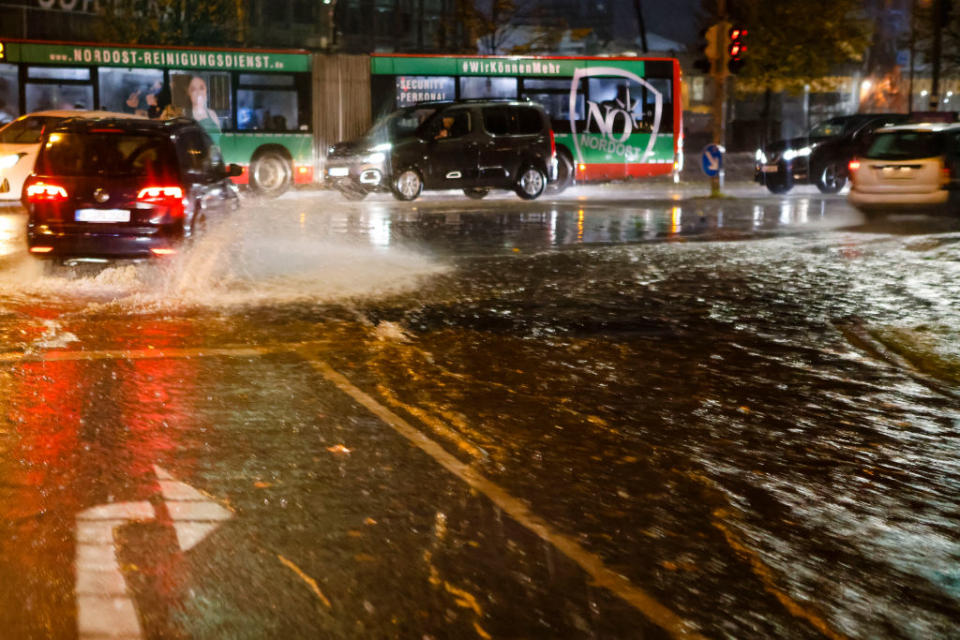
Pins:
x: 512, y: 121
x: 496, y: 120
x: 451, y: 124
x: 528, y: 121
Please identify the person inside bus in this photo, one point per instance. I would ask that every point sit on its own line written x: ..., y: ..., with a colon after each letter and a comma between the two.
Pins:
x: 199, y: 111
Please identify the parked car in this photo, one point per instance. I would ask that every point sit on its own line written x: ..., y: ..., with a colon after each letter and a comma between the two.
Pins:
x: 472, y: 145
x: 912, y: 168
x: 20, y: 142
x: 124, y: 188
x: 820, y: 157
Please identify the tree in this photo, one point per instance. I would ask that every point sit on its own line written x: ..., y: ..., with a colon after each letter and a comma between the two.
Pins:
x: 796, y: 43
x: 173, y: 22
x: 505, y: 26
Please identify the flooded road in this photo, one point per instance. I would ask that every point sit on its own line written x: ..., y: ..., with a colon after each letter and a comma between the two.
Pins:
x: 615, y: 414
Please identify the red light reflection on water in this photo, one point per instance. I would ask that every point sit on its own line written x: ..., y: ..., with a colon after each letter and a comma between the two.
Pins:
x: 79, y: 433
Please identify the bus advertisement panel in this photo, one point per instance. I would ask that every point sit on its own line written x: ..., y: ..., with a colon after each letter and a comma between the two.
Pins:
x: 612, y: 117
x: 255, y: 104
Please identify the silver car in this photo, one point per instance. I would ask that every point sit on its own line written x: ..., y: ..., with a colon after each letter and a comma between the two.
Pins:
x: 909, y: 168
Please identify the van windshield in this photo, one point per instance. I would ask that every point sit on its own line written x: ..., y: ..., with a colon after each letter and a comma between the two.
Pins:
x: 399, y: 124
x: 835, y: 127
x: 903, y: 145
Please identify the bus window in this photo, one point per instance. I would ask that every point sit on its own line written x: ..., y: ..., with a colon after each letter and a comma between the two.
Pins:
x: 129, y: 90
x: 205, y: 97
x: 481, y: 87
x: 554, y: 95
x: 9, y: 103
x: 58, y: 73
x: 43, y: 97
x: 415, y: 89
x: 58, y: 88
x: 267, y: 103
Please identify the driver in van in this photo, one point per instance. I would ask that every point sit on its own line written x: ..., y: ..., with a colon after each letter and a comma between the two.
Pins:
x: 445, y: 129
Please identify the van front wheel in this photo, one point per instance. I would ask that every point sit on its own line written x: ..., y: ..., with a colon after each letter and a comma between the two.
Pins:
x: 407, y: 185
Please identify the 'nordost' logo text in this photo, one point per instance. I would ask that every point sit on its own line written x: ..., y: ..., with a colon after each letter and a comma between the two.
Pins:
x: 607, y: 121
x: 616, y: 122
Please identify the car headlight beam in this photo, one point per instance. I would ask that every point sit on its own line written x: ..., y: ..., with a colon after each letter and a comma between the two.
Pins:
x: 802, y: 152
x: 10, y: 160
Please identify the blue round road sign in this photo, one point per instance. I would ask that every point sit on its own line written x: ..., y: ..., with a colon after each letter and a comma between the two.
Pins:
x: 712, y: 159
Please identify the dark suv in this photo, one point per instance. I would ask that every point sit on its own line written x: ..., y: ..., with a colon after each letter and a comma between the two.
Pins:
x: 473, y: 145
x: 124, y: 188
x: 822, y: 155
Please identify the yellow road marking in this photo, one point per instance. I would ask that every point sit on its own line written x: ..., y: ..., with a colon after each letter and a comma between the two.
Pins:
x: 152, y: 353
x: 591, y: 563
x: 310, y: 581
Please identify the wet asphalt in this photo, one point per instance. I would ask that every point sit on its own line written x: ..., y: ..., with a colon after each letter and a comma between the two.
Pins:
x: 629, y: 411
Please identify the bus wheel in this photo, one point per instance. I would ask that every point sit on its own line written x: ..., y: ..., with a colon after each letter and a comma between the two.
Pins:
x: 476, y: 193
x: 531, y: 184
x: 564, y: 174
x: 408, y: 185
x: 270, y: 174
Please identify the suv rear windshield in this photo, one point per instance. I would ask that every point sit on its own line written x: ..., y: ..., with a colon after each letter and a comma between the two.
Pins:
x: 903, y: 145
x: 94, y: 153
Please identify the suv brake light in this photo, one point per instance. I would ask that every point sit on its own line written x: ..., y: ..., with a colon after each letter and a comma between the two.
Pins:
x: 553, y: 144
x: 171, y: 197
x: 159, y: 193
x: 46, y: 192
x: 854, y: 165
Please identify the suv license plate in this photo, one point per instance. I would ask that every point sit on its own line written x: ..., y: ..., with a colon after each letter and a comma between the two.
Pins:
x: 103, y: 215
x: 339, y: 172
x: 770, y: 168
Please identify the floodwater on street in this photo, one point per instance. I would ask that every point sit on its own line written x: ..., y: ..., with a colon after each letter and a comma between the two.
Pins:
x: 734, y: 418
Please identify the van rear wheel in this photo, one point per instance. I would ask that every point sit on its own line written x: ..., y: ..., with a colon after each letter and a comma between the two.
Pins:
x: 531, y: 183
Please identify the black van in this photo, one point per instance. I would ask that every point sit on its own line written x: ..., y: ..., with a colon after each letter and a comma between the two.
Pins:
x: 472, y: 145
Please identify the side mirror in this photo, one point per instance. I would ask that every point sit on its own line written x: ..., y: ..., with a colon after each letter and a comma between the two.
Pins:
x: 234, y: 170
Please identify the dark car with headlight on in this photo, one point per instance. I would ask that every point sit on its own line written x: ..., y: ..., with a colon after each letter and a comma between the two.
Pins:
x: 471, y: 145
x: 822, y: 155
x: 124, y: 188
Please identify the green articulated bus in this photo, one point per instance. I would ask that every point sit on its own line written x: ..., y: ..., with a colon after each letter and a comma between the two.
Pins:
x: 259, y: 101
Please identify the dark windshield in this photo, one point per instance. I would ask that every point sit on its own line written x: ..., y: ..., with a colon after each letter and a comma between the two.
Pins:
x: 106, y: 153
x: 26, y: 130
x: 835, y: 127
x: 903, y: 145
x: 399, y: 124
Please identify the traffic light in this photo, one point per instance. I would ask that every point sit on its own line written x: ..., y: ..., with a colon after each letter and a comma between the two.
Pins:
x: 708, y: 50
x: 736, y: 48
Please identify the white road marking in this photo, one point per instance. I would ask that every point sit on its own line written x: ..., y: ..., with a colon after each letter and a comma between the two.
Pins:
x: 194, y: 515
x: 104, y: 606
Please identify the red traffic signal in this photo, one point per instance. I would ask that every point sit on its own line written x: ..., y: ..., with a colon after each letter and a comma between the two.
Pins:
x: 736, y: 48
